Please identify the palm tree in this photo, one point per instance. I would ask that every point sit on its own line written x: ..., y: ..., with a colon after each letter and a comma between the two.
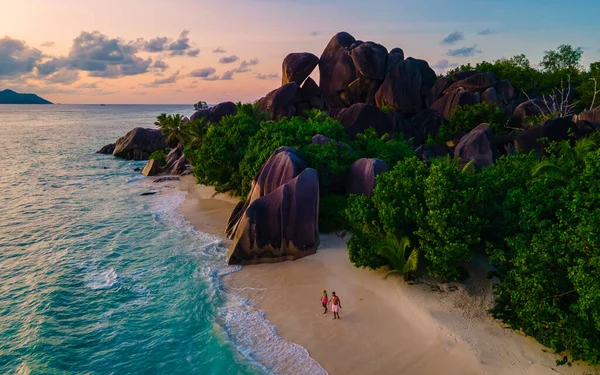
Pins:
x: 172, y: 127
x: 569, y: 162
x: 395, y: 251
x: 194, y: 131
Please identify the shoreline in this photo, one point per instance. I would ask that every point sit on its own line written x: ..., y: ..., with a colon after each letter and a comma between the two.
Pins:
x: 387, y: 326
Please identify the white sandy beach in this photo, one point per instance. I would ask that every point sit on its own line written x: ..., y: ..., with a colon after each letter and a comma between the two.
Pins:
x: 387, y: 326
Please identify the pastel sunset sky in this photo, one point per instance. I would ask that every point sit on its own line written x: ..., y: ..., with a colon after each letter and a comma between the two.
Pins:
x: 182, y: 51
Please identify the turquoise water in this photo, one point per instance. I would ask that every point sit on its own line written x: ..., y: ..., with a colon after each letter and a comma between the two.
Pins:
x: 96, y: 279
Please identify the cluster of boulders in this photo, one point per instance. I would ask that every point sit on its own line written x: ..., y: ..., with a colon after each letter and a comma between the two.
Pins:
x: 279, y: 220
x: 361, y: 85
x: 140, y: 143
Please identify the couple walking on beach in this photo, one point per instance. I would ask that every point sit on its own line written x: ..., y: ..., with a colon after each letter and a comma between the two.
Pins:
x: 335, y: 304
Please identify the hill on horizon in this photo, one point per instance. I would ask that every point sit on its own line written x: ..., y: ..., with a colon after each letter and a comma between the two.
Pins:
x: 12, y: 97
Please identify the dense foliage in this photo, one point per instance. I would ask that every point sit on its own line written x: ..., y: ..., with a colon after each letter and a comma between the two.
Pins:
x: 536, y: 219
x: 561, y: 68
x: 464, y: 118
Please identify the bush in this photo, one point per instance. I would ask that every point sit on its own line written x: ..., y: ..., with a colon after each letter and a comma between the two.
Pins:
x: 331, y: 213
x: 297, y: 133
x: 465, y: 118
x: 391, y: 150
x: 159, y: 155
x: 367, y: 233
x: 452, y: 225
x: 217, y: 161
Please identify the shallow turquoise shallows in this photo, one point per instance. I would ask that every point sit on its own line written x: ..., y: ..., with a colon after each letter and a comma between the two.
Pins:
x: 96, y: 279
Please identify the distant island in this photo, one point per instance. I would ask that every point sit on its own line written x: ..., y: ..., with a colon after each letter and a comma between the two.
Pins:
x: 12, y: 97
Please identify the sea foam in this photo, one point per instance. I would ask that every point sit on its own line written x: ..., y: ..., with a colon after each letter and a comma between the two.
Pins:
x: 246, y: 326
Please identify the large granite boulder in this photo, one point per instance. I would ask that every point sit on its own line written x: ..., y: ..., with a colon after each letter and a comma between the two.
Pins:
x: 406, y: 87
x: 280, y: 102
x: 464, y: 74
x: 139, y: 143
x: 282, y: 166
x: 437, y: 91
x: 449, y: 102
x: 179, y: 167
x: 297, y: 67
x: 282, y: 225
x: 152, y: 168
x: 475, y: 83
x: 396, y: 55
x: 370, y: 60
x: 554, y: 130
x: 362, y: 174
x: 359, y: 117
x: 216, y: 113
x: 108, y: 149
x: 532, y: 107
x: 172, y: 157
x: 505, y: 91
x: 490, y: 97
x: 421, y: 126
x: 337, y: 71
x: 477, y: 146
x: 590, y: 118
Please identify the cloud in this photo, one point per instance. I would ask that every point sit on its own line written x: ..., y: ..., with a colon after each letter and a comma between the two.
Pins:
x: 93, y: 85
x: 267, y: 76
x: 227, y: 76
x: 228, y: 59
x: 443, y: 65
x: 156, y: 45
x: 179, y: 47
x: 164, y: 81
x: 245, y: 66
x: 160, y: 65
x: 105, y: 57
x: 453, y: 38
x: 314, y: 33
x: 463, y: 51
x: 485, y: 32
x: 16, y: 58
x: 203, y: 72
x: 63, y: 77
x: 219, y: 50
x: 193, y: 52
x: 48, y: 44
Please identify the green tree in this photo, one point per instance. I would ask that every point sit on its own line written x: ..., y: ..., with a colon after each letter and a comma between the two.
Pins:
x: 569, y: 162
x: 565, y: 57
x: 172, y: 126
x: 200, y: 105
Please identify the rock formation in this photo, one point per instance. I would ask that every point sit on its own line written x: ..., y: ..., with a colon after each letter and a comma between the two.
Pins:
x: 281, y: 167
x: 359, y: 117
x: 216, y: 113
x: 139, y: 143
x: 361, y: 178
x: 297, y: 67
x: 476, y: 146
x: 152, y: 168
x: 281, y: 225
x: 108, y: 149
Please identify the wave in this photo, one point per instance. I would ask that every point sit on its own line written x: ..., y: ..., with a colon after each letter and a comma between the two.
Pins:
x: 246, y: 326
x: 104, y: 279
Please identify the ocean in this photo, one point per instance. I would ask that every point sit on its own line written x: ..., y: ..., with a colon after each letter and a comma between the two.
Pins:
x: 96, y: 279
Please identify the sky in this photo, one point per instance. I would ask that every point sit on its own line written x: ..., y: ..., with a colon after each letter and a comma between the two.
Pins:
x: 183, y: 51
